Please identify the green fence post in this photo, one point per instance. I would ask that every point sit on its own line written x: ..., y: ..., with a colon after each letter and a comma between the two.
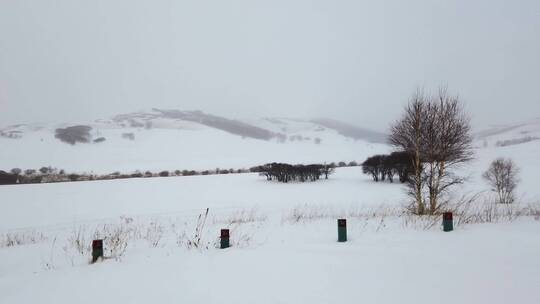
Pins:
x: 342, y: 230
x: 448, y: 221
x: 225, y: 238
x: 97, y: 250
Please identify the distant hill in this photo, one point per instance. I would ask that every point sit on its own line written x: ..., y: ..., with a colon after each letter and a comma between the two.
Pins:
x: 510, y: 134
x: 227, y: 125
x: 352, y: 131
x: 165, y: 139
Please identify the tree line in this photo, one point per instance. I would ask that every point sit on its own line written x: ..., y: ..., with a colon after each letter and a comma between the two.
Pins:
x: 385, y: 167
x: 285, y: 173
x: 54, y: 175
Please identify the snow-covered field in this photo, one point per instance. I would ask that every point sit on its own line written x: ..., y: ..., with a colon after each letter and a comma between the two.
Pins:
x: 284, y: 245
x: 284, y: 236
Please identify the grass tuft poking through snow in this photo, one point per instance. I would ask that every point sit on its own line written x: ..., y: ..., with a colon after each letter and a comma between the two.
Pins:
x: 18, y: 238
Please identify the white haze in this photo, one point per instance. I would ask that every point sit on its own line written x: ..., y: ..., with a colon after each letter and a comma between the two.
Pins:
x: 358, y: 61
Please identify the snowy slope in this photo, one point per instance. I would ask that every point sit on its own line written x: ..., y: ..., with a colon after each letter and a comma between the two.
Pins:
x: 510, y: 134
x: 171, y: 143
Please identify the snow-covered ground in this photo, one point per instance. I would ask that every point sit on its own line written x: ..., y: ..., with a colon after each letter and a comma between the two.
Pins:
x: 300, y: 263
x: 284, y: 245
x: 284, y: 236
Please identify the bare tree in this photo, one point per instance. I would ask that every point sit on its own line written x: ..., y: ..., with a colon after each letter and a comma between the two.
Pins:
x: 448, y: 144
x: 16, y: 171
x: 435, y: 131
x: 406, y: 135
x: 502, y: 176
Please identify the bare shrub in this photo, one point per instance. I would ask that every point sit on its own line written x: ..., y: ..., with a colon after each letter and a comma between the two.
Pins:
x: 77, y: 245
x: 308, y: 213
x: 479, y: 209
x: 240, y: 238
x: 78, y: 241
x: 195, y: 241
x: 243, y: 216
x: 48, y: 262
x: 115, y: 239
x: 534, y: 211
x: 305, y: 213
x: 154, y: 234
x: 424, y: 222
x: 469, y: 209
x: 16, y: 171
x: 11, y: 239
x: 502, y: 177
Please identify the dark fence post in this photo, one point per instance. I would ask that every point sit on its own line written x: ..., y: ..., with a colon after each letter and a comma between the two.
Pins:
x: 97, y: 250
x: 225, y: 234
x: 448, y: 221
x: 342, y: 230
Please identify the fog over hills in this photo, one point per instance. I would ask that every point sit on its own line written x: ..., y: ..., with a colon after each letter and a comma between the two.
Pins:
x: 263, y: 128
x: 169, y: 139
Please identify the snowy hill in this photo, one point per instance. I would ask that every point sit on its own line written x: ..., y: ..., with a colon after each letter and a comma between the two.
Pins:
x: 171, y: 139
x: 510, y: 134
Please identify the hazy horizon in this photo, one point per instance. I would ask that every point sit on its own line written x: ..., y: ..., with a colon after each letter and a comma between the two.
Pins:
x: 355, y: 61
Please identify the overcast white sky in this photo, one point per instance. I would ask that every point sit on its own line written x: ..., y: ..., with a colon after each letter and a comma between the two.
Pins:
x: 67, y: 60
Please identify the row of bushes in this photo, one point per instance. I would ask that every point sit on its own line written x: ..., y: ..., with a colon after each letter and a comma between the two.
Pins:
x: 285, y: 172
x: 52, y: 175
x: 34, y: 177
x: 385, y: 167
x: 332, y: 165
